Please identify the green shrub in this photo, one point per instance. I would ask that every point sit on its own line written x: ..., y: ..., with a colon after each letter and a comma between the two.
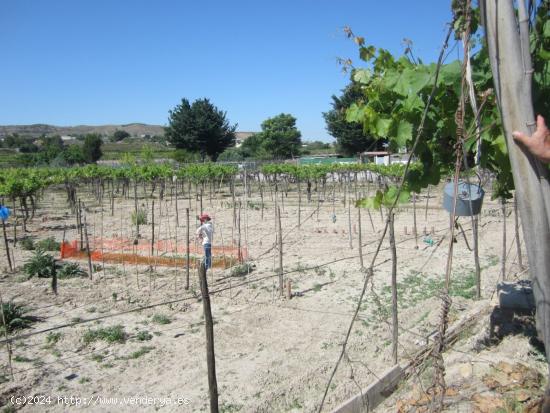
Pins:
x: 138, y: 353
x: 15, y: 317
x: 27, y: 244
x: 52, y: 338
x: 48, y: 244
x: 113, y: 334
x: 144, y: 336
x: 139, y: 217
x: 40, y: 265
x: 70, y: 270
x: 161, y: 319
x: 242, y: 269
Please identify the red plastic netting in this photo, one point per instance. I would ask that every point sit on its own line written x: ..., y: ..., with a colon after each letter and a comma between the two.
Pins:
x: 165, y: 253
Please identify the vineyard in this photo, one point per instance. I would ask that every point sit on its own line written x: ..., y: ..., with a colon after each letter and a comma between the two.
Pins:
x: 336, y: 287
x: 290, y: 249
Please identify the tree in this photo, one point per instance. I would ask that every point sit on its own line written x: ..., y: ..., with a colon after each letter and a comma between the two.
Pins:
x: 73, y: 154
x: 350, y: 137
x: 279, y: 136
x: 91, y: 150
x: 200, y: 127
x: 120, y: 135
x: 508, y: 30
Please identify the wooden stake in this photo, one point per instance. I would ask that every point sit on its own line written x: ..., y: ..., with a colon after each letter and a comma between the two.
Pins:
x: 395, y: 332
x: 518, y: 244
x: 288, y: 289
x: 503, y: 259
x: 7, y: 245
x: 8, y: 341
x: 476, y: 257
x: 360, y: 238
x: 280, y: 239
x: 88, y: 247
x: 152, y: 228
x: 187, y: 250
x: 209, y: 327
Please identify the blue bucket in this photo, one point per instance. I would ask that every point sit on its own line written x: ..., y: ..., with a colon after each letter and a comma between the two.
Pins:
x: 469, y: 199
x: 4, y: 213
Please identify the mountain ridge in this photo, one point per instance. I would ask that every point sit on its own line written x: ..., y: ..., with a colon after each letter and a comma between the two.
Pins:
x: 39, y: 129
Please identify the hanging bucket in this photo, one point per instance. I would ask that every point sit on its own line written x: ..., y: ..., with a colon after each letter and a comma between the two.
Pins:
x: 4, y: 213
x: 470, y: 199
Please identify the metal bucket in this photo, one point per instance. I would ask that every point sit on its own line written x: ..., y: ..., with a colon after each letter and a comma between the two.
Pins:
x: 470, y: 198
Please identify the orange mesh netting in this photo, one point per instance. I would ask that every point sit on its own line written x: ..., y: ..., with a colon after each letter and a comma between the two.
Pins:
x: 118, y: 251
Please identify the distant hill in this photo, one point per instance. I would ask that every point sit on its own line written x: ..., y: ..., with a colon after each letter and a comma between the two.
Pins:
x: 134, y: 129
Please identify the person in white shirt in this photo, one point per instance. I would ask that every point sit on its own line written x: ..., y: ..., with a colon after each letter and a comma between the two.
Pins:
x: 205, y: 233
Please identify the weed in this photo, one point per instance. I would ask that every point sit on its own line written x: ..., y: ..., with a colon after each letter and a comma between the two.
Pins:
x: 113, y: 334
x: 320, y: 271
x: 91, y: 310
x: 295, y: 404
x: 139, y: 217
x: 70, y: 270
x: 84, y: 380
x: 300, y: 268
x: 138, y: 353
x: 3, y: 379
x: 144, y: 336
x: 48, y: 244
x: 98, y: 357
x: 22, y: 359
x: 52, y: 338
x: 15, y: 317
x: 317, y: 287
x: 161, y: 319
x: 230, y: 407
x: 108, y: 365
x: 242, y: 269
x: 27, y: 244
x: 40, y: 265
x: 76, y: 320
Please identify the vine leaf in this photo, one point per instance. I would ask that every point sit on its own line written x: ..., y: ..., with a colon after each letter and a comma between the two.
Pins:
x: 362, y: 76
x: 403, y: 133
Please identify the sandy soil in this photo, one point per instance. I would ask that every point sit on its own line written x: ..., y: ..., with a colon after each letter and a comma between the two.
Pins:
x: 272, y: 354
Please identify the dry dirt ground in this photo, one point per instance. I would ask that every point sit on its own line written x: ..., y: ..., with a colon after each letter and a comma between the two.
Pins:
x: 272, y: 354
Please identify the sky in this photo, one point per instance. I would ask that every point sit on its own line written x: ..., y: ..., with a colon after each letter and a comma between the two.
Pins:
x: 95, y: 62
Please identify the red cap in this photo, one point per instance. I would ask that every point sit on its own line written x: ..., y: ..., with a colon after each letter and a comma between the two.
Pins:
x: 204, y: 217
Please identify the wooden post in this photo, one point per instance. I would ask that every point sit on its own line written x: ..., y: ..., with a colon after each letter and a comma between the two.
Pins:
x: 503, y: 259
x: 518, y: 244
x: 395, y: 332
x: 426, y: 208
x: 288, y: 289
x: 54, y: 278
x: 209, y: 327
x: 136, y: 209
x: 512, y: 76
x: 280, y: 240
x: 90, y: 270
x: 7, y: 245
x: 177, y: 212
x: 476, y: 257
x: 406, y: 232
x: 299, y: 204
x: 79, y: 224
x: 152, y: 228
x: 187, y: 250
x: 349, y: 224
x: 239, y: 241
x: 8, y: 341
x: 360, y: 241
x: 415, y: 230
